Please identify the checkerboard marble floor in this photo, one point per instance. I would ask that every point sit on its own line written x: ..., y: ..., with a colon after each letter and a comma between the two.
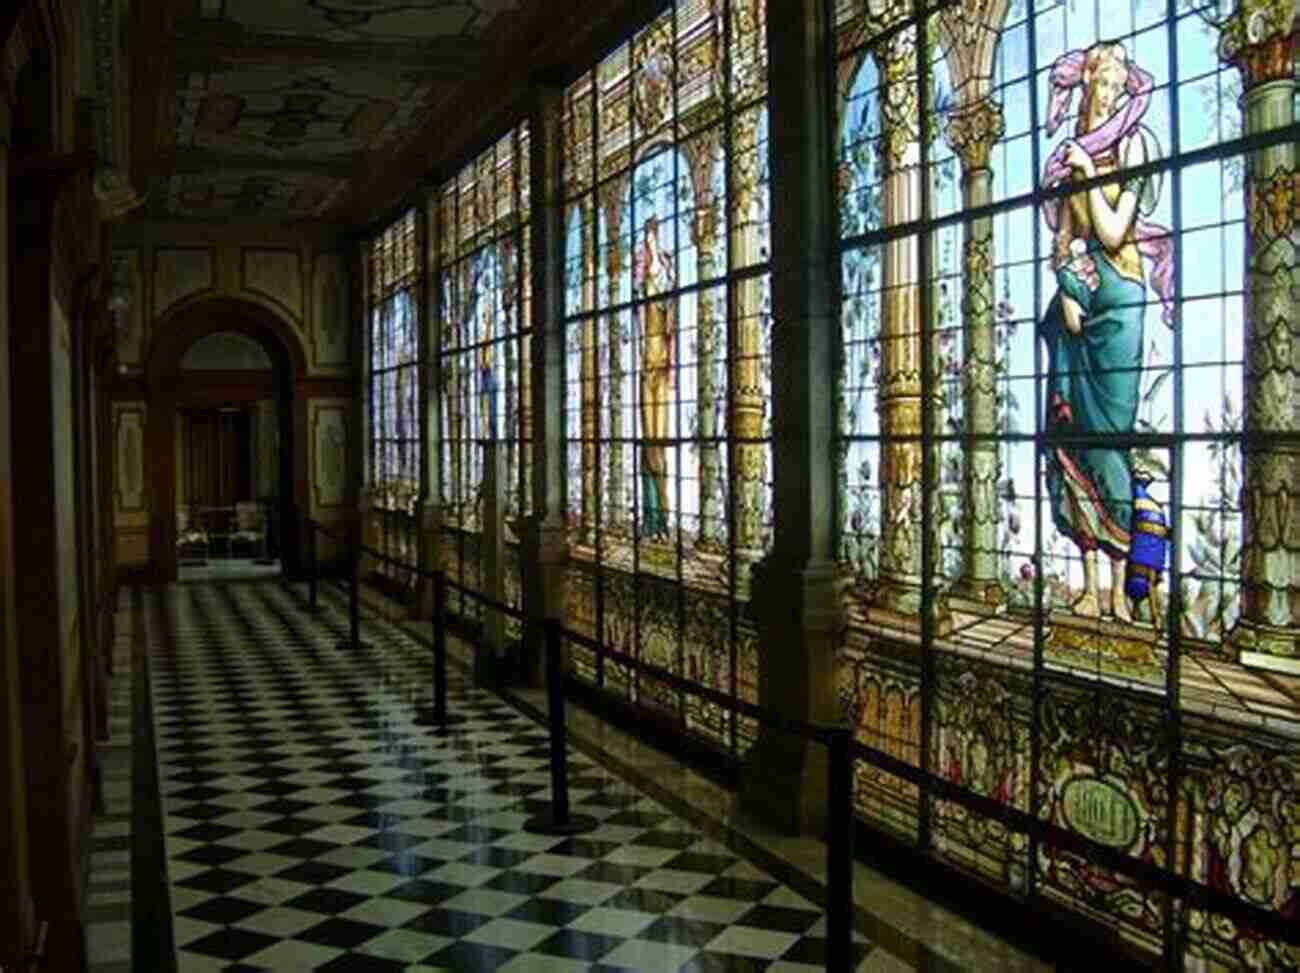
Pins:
x: 312, y: 823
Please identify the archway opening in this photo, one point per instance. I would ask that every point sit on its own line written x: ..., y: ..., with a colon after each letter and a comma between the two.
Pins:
x: 225, y: 420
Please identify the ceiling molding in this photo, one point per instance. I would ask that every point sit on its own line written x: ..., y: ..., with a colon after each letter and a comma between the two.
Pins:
x: 147, y: 232
x: 212, y: 160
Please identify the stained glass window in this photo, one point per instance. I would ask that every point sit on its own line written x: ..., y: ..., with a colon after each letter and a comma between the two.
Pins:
x: 483, y: 273
x: 395, y: 400
x: 1065, y: 577
x: 668, y: 369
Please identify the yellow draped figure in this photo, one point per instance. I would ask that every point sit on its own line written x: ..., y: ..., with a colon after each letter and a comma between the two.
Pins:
x: 654, y: 278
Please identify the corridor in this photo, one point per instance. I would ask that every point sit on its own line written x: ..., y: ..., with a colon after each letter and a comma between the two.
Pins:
x: 312, y: 822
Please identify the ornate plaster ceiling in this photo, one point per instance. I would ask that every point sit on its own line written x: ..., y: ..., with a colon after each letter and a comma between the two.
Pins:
x: 276, y: 100
x: 338, y: 21
x: 290, y: 110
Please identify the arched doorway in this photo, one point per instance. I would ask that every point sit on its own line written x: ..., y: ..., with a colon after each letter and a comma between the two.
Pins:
x: 178, y: 333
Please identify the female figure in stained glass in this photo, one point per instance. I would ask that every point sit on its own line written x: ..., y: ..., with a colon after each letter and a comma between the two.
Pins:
x: 487, y: 382
x: 1093, y: 328
x: 654, y: 278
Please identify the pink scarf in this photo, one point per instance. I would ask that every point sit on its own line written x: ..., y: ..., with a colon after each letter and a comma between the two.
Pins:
x: 1153, y: 240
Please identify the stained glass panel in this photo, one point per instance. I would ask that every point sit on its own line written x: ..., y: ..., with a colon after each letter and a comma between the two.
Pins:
x: 1077, y: 375
x: 668, y: 322
x: 394, y: 344
x: 485, y: 354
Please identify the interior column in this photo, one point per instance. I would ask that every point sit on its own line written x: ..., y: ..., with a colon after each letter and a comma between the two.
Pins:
x: 54, y: 739
x: 794, y: 601
x: 16, y: 907
x: 546, y: 548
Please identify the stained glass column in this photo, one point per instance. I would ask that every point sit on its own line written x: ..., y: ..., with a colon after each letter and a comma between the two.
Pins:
x: 973, y: 128
x: 898, y: 594
x: 590, y: 401
x: 746, y: 371
x: 545, y: 547
x: 704, y: 235
x: 613, y: 200
x: 794, y: 600
x: 1259, y: 39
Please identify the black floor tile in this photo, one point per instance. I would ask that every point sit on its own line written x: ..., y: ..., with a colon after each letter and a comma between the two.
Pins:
x: 471, y: 956
x: 326, y: 901
x: 576, y: 944
x: 222, y: 910
x: 231, y: 944
x: 340, y: 933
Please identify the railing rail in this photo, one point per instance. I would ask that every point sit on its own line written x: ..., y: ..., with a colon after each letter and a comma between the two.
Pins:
x: 839, y: 741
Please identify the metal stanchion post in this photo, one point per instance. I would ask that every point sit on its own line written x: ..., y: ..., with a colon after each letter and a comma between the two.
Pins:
x: 354, y: 595
x: 353, y: 643
x: 315, y: 565
x: 839, y: 850
x: 559, y: 820
x: 440, y: 648
x: 439, y: 716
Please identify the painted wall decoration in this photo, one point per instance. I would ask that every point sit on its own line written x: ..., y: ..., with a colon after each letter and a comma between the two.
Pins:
x: 331, y: 310
x: 328, y: 423
x: 130, y: 511
x: 180, y: 273
x: 128, y: 458
x: 65, y: 489
x: 277, y: 274
x: 131, y: 337
x: 274, y: 277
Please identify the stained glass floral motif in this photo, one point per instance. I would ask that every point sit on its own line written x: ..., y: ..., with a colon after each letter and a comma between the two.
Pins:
x: 1067, y: 328
x: 668, y: 366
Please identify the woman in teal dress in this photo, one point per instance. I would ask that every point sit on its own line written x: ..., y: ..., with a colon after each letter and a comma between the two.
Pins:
x: 1094, y: 326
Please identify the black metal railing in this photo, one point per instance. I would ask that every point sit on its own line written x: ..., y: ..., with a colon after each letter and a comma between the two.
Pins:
x: 843, y: 751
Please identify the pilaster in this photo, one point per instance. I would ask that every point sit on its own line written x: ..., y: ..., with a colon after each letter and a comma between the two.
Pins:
x: 53, y: 747
x: 544, y: 549
x: 17, y: 922
x: 428, y: 513
x: 795, y: 599
x: 1259, y: 38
